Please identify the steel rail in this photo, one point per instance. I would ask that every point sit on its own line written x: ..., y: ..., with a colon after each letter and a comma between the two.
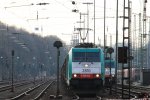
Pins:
x: 40, y: 94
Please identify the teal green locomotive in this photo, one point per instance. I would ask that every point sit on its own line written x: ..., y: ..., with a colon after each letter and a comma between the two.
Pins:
x: 109, y: 77
x: 84, y: 67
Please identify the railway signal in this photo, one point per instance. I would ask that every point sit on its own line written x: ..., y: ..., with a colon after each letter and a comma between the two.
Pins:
x: 73, y: 2
x: 110, y: 51
x: 57, y: 44
x: 12, y: 73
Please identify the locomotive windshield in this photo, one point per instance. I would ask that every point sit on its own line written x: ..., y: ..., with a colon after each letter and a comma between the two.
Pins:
x: 86, y: 57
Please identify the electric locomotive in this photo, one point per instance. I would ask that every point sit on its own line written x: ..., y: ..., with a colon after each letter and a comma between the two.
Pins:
x: 84, y: 67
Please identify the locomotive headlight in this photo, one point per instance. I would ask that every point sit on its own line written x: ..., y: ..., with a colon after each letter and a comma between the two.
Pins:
x: 86, y: 65
x: 97, y: 75
x: 113, y: 75
x: 75, y: 75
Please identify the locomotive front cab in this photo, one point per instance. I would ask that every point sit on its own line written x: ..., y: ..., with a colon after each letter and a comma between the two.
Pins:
x: 86, y: 68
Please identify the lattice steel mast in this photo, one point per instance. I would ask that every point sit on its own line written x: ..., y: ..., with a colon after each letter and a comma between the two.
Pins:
x: 126, y: 45
x: 144, y: 39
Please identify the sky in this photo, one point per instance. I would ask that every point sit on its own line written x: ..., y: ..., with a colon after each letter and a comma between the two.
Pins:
x: 57, y: 17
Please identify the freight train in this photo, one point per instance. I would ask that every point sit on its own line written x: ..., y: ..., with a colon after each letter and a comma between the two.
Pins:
x: 84, y: 67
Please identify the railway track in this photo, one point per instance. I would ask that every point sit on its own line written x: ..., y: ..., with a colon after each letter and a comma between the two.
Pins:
x: 8, y: 87
x: 33, y: 93
x: 135, y: 91
x: 87, y: 94
x: 6, y: 92
x: 87, y: 97
x: 4, y: 82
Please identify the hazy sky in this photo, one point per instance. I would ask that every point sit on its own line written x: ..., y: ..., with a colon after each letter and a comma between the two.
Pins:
x: 57, y: 17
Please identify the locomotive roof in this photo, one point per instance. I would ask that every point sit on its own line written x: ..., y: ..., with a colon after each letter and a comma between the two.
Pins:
x: 85, y: 45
